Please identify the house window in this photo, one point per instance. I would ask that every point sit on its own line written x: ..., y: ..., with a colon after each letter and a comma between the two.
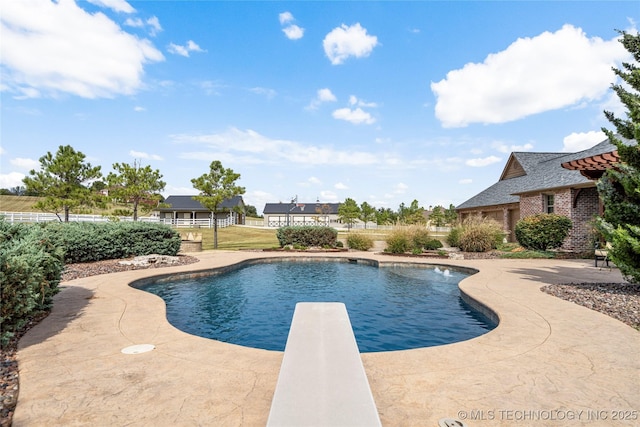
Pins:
x: 548, y: 203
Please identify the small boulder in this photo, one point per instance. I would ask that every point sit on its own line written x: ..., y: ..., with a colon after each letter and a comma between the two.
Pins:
x: 153, y: 259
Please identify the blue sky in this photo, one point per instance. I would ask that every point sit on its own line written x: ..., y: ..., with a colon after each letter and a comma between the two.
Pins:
x: 384, y: 102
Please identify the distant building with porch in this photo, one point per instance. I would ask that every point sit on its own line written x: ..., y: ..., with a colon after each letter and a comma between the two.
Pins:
x: 299, y: 214
x: 185, y: 211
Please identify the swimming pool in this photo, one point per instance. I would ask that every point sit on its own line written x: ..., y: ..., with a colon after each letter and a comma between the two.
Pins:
x: 394, y: 307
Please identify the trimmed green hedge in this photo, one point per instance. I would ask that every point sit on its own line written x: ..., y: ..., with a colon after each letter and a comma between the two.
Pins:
x: 542, y: 231
x: 307, y: 236
x: 32, y: 258
x: 30, y: 270
x: 88, y: 242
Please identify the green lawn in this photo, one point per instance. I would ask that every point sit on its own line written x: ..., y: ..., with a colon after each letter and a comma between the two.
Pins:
x: 235, y: 237
x: 18, y: 203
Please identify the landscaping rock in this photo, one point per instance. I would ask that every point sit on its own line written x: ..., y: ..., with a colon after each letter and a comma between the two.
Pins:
x: 147, y: 260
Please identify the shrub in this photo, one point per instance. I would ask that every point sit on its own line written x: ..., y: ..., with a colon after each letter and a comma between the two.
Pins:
x: 30, y: 270
x: 479, y: 234
x: 432, y: 245
x: 399, y: 241
x: 87, y: 242
x: 411, y: 239
x: 419, y: 237
x: 542, y: 231
x: 317, y: 236
x: 359, y: 242
x: 453, y: 238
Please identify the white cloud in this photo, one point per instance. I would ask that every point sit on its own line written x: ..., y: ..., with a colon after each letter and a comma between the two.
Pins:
x: 465, y: 181
x: 343, y: 42
x: 152, y: 22
x: 11, y: 179
x: 269, y: 93
x: 116, y: 5
x: 353, y: 100
x: 191, y: 46
x: 134, y: 22
x: 400, y: 188
x: 285, y: 18
x: 143, y: 155
x: 340, y: 186
x: 532, y: 75
x: 504, y: 148
x: 357, y: 116
x: 250, y: 147
x: 323, y: 95
x: 328, y: 196
x: 210, y: 87
x: 612, y: 103
x: 258, y: 199
x: 293, y: 32
x: 46, y: 51
x: 311, y: 181
x: 582, y: 141
x: 139, y: 109
x: 26, y: 164
x: 481, y: 162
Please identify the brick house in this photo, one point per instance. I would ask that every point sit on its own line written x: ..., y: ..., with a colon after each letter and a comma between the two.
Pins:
x: 533, y: 183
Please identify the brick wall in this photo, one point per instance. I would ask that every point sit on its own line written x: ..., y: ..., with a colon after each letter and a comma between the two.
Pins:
x: 580, y: 238
x: 530, y: 204
x: 587, y: 207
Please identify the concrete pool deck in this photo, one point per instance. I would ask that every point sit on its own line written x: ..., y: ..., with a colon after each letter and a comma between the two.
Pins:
x: 549, y: 362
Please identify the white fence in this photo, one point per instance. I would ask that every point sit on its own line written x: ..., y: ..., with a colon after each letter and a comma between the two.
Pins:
x: 31, y: 217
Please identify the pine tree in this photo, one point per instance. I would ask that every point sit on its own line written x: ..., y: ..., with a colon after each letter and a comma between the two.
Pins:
x: 619, y: 187
x: 61, y: 181
x: 215, y: 187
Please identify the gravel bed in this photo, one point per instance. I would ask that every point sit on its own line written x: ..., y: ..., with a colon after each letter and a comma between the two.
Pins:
x: 618, y: 300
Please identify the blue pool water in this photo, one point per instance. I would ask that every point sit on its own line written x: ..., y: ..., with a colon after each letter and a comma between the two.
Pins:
x: 390, y: 308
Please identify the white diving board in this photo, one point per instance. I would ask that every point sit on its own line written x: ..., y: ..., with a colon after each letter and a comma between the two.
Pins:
x: 322, y: 381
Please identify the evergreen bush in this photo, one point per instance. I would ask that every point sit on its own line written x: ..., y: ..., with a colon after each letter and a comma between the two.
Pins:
x: 316, y: 236
x: 359, y: 242
x: 30, y: 270
x: 542, y: 231
x: 88, y: 242
x: 432, y: 245
x: 453, y: 238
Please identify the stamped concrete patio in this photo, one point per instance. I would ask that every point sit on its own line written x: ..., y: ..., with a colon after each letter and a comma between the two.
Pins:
x: 549, y: 362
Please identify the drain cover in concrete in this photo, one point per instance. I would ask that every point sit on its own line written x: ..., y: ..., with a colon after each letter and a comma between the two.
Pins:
x: 138, y: 348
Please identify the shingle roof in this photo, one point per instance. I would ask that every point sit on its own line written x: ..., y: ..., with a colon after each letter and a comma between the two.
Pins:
x: 543, y: 171
x: 299, y: 208
x: 187, y: 203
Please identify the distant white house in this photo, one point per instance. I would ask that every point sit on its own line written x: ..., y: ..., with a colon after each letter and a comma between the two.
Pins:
x: 299, y: 214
